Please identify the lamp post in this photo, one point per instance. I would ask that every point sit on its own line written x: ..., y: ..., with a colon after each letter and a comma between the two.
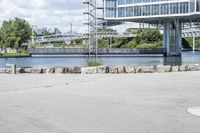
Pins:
x: 71, y: 32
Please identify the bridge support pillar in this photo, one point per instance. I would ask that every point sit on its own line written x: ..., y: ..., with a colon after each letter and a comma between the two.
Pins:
x: 172, y: 38
x: 193, y: 47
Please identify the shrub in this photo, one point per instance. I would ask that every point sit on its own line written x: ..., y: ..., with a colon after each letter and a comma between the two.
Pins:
x: 155, y: 45
x: 93, y: 62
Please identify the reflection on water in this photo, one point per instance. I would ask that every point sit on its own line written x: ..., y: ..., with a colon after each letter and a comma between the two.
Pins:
x: 174, y: 61
x: 151, y: 60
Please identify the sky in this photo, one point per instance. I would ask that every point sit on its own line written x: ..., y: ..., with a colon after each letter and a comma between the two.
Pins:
x: 46, y: 13
x: 49, y: 13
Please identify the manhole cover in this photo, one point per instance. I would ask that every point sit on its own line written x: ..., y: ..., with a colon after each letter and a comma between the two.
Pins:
x: 194, y: 111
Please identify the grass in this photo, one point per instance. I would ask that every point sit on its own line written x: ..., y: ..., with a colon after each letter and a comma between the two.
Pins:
x: 93, y: 63
x: 15, y: 55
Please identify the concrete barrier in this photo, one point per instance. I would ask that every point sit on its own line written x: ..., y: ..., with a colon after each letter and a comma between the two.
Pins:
x: 103, y: 69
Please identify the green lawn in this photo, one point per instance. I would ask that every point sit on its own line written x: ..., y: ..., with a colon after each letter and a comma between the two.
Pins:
x: 15, y: 55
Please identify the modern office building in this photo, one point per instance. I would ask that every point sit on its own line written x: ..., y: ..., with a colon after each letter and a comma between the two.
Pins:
x: 171, y: 14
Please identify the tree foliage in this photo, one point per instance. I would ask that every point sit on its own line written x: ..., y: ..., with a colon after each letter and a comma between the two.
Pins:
x: 148, y: 36
x: 145, y: 38
x: 15, y: 32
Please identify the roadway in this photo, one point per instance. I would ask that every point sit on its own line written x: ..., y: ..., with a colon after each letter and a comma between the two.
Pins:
x: 137, y: 103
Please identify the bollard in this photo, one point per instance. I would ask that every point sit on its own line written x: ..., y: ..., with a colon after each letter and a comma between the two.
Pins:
x: 13, y: 67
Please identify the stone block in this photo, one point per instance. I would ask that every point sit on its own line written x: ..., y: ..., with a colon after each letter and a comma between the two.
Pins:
x: 28, y: 70
x: 20, y: 70
x: 129, y: 69
x: 193, y: 67
x: 175, y: 68
x: 5, y: 70
x: 36, y: 70
x: 120, y: 70
x: 73, y: 70
x: 102, y: 69
x: 76, y: 70
x: 113, y: 70
x: 145, y: 69
x: 89, y: 70
x: 50, y: 70
x: 59, y: 70
x: 163, y: 69
x: 183, y: 68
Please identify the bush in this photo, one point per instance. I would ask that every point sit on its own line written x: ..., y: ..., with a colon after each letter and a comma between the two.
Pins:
x: 93, y: 62
x: 131, y: 44
x: 15, y: 55
x: 103, y: 43
x: 156, y: 45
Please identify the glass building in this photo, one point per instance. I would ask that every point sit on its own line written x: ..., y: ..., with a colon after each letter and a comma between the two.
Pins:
x: 126, y: 9
x: 171, y: 14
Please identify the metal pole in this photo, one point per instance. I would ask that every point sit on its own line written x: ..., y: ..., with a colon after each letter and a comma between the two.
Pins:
x: 96, y: 29
x: 33, y: 35
x: 110, y: 42
x: 71, y: 30
x: 193, y: 43
x: 89, y: 35
x: 71, y: 33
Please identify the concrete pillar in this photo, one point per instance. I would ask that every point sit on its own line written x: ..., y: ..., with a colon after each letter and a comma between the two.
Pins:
x: 172, y: 38
x: 166, y: 37
x: 178, y: 37
x: 110, y: 42
x: 13, y: 69
x: 193, y: 48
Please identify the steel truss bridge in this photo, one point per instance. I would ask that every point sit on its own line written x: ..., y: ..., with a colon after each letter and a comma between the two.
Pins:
x: 193, y: 32
x: 74, y: 36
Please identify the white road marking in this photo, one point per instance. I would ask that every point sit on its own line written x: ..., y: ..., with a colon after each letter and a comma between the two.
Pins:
x: 194, y: 111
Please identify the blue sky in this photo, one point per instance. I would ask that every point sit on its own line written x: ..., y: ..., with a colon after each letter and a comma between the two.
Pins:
x: 49, y: 13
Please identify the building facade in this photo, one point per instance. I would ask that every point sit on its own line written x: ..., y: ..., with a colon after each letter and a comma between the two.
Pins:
x: 141, y: 9
x: 171, y: 14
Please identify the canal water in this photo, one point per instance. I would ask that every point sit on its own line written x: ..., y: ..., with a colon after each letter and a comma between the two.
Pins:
x: 75, y: 60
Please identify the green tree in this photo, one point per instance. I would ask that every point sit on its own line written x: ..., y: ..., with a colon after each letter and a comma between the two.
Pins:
x: 148, y: 36
x: 15, y: 32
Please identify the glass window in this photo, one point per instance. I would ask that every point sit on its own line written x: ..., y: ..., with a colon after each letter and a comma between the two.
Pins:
x: 111, y: 8
x: 129, y: 11
x: 174, y: 8
x: 184, y: 7
x: 121, y: 12
x: 164, y: 9
x: 137, y: 11
x: 155, y: 10
x: 198, y: 5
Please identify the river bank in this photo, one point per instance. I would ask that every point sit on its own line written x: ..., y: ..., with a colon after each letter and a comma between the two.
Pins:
x: 14, y: 55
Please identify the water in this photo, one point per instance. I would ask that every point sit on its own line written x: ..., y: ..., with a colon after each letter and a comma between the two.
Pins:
x: 140, y: 60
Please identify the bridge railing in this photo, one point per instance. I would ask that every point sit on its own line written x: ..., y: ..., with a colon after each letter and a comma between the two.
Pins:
x: 73, y: 36
x: 101, y: 35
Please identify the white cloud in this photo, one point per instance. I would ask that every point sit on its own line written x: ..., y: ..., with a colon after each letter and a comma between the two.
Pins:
x: 49, y: 13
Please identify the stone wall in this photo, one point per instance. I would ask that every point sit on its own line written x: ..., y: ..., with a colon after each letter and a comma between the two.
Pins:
x: 105, y: 69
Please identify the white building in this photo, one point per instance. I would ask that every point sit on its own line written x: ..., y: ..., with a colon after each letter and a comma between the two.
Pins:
x: 171, y: 14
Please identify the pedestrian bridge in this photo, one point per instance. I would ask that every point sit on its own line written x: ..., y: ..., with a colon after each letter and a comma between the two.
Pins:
x: 74, y: 36
x: 193, y: 32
